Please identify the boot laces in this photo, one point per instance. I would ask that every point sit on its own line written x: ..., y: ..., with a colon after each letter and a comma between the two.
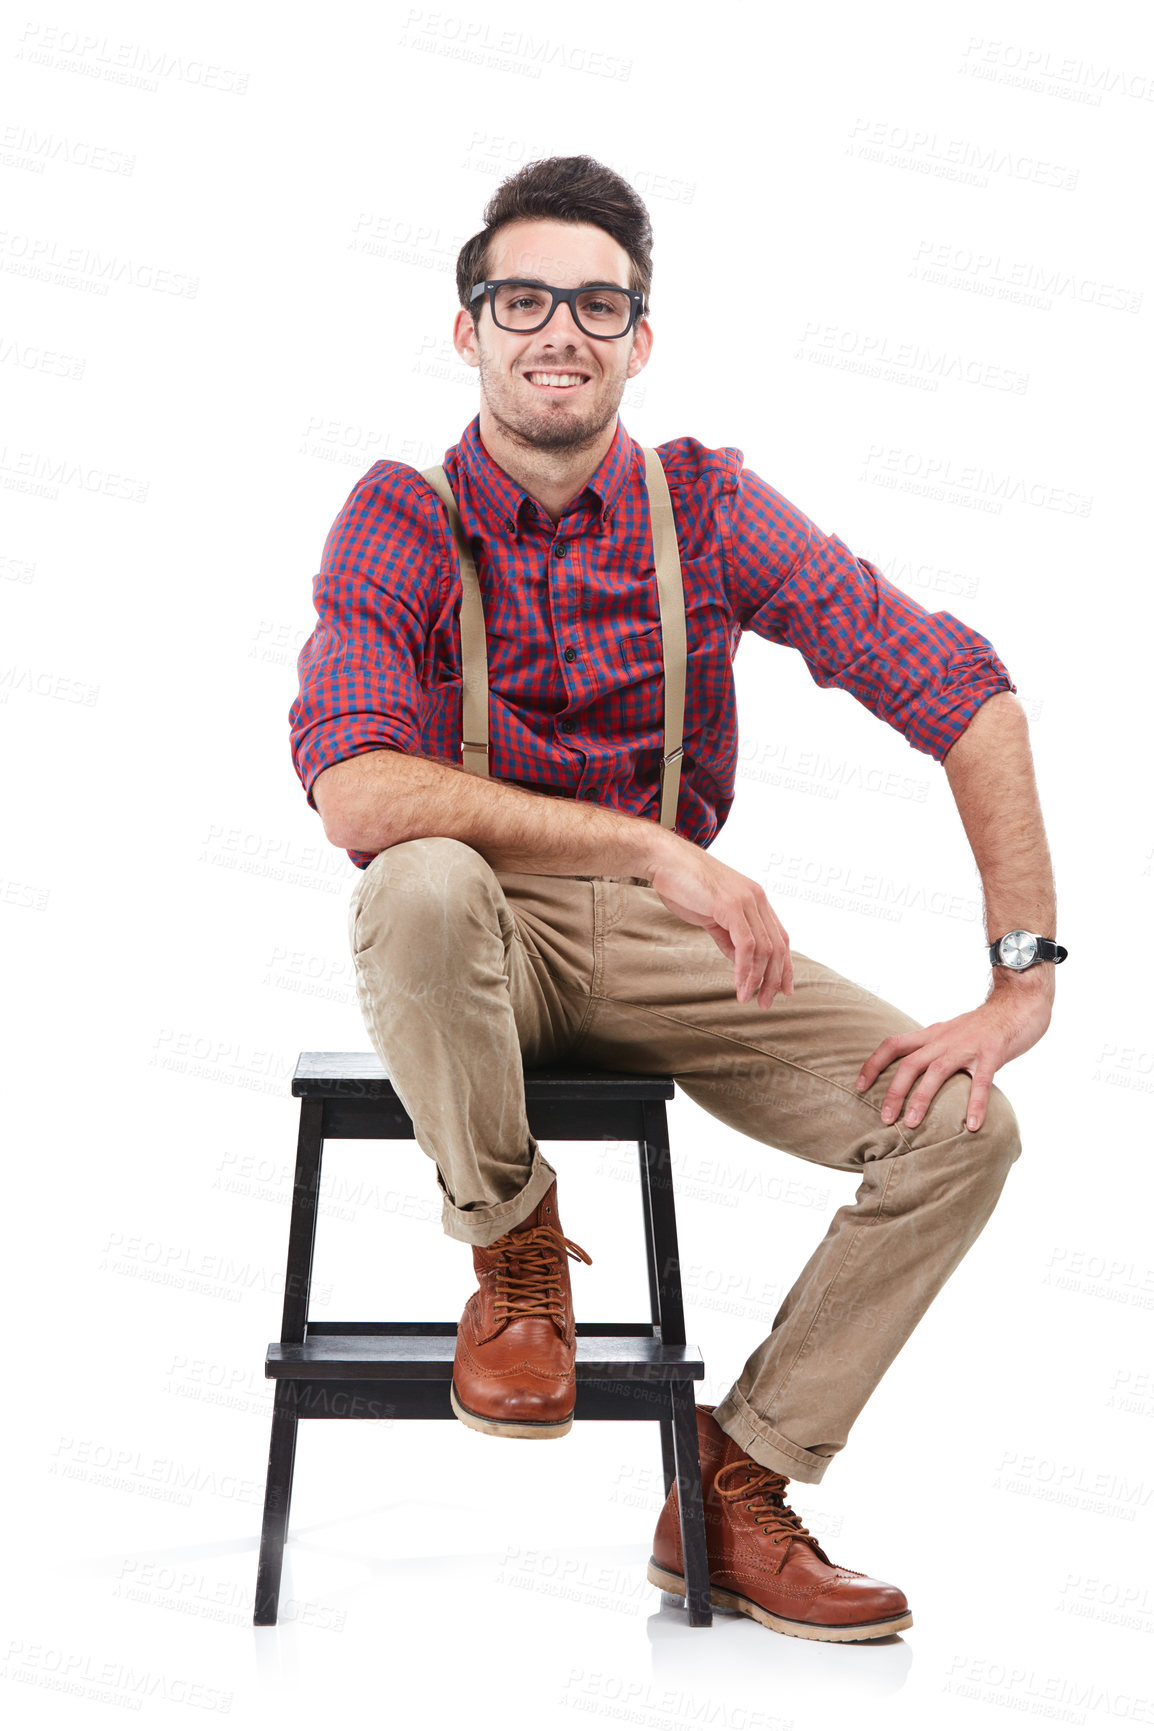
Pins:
x: 762, y: 1490
x: 529, y: 1275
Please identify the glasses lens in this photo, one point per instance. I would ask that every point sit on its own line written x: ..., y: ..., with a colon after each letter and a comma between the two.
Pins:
x: 520, y: 305
x: 523, y: 306
x: 603, y: 312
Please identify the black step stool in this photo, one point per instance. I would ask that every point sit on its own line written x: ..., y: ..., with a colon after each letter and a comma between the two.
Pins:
x: 625, y: 1370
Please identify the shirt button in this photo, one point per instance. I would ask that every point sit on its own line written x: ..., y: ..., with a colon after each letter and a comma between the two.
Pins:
x: 560, y: 548
x: 565, y: 726
x: 570, y: 653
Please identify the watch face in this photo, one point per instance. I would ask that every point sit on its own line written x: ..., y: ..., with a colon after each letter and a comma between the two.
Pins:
x: 1018, y: 949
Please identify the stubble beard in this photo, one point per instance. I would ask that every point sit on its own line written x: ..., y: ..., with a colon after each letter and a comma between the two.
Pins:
x: 543, y: 430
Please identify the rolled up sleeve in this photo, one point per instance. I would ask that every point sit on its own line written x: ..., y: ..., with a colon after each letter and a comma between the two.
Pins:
x: 923, y: 673
x: 378, y: 589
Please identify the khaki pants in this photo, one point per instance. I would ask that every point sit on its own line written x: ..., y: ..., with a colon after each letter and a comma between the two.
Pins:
x: 464, y: 974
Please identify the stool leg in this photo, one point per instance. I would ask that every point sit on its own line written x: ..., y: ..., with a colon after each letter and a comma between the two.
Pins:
x: 661, y: 1225
x: 693, y: 1543
x: 668, y: 1466
x: 679, y: 1451
x: 668, y: 1455
x: 303, y: 1222
x: 277, y: 1497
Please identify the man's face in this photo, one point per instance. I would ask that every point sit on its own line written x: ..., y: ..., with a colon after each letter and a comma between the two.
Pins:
x: 514, y: 393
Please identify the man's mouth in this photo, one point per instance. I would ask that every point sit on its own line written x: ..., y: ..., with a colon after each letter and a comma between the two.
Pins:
x: 555, y: 382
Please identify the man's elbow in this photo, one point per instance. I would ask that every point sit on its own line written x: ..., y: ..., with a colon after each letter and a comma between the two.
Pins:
x: 341, y: 831
x: 1000, y: 705
x: 351, y: 818
x: 1002, y: 708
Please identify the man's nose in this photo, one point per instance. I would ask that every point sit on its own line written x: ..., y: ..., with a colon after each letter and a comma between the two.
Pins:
x: 563, y: 327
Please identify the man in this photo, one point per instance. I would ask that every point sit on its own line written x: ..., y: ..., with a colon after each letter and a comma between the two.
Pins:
x: 532, y: 907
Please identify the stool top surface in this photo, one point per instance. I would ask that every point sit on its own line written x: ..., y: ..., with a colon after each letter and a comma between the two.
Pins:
x: 321, y: 1074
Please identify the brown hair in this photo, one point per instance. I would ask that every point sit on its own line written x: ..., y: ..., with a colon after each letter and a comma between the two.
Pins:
x: 563, y: 189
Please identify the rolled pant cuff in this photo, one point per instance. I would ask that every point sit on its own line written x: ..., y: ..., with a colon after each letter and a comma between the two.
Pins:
x: 765, y: 1445
x: 481, y: 1226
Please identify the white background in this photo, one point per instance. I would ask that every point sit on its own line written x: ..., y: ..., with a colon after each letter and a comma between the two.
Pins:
x: 901, y: 262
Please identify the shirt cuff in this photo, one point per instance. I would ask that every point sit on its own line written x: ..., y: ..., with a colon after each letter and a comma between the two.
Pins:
x: 938, y: 722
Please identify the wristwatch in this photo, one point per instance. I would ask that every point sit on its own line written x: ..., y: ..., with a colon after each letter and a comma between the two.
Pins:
x: 1021, y: 950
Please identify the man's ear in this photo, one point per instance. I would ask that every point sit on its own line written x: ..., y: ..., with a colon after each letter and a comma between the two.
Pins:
x: 642, y: 346
x: 465, y: 338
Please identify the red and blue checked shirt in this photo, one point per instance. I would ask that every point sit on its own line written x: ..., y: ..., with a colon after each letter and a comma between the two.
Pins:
x: 573, y: 628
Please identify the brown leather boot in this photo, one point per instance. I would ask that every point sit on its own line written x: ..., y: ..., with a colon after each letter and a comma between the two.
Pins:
x: 514, y: 1367
x: 762, y: 1561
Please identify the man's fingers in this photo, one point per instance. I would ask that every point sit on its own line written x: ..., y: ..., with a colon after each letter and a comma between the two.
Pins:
x: 979, y: 1100
x: 723, y: 941
x: 741, y: 923
x: 904, y: 1077
x: 768, y: 957
x: 772, y: 967
x: 747, y: 961
x: 938, y: 1072
x: 778, y: 972
x: 761, y: 960
x: 891, y: 1047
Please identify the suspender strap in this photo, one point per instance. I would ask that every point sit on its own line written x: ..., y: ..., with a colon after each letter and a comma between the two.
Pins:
x: 671, y: 601
x: 474, y: 658
x: 671, y: 604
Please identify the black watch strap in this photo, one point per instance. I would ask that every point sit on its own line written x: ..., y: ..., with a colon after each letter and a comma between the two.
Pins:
x: 1048, y: 951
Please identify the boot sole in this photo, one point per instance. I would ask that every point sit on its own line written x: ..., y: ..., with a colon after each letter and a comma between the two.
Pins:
x: 784, y: 1625
x: 539, y: 1428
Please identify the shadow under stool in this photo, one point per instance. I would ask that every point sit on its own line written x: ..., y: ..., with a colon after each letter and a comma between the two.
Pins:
x: 402, y: 1370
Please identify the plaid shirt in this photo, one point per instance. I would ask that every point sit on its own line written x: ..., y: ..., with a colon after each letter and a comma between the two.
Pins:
x: 573, y: 628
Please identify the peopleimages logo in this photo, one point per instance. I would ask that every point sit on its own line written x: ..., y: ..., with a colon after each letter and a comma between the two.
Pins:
x: 1021, y: 282
x: 112, y: 1682
x: 513, y: 50
x: 960, y: 159
x: 134, y: 64
x: 1039, y: 69
x: 968, y: 483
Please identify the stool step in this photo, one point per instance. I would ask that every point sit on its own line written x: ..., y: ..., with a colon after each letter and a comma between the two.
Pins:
x: 429, y: 1358
x: 361, y: 1076
x: 315, y: 1329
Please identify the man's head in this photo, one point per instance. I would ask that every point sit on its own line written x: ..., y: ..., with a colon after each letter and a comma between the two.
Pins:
x: 567, y: 222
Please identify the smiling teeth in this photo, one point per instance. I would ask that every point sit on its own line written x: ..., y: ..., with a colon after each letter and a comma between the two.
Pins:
x: 555, y: 378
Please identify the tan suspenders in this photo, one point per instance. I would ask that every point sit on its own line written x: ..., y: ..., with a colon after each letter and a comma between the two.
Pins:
x: 671, y: 601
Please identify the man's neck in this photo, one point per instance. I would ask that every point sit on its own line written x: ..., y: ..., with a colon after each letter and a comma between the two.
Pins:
x: 553, y: 478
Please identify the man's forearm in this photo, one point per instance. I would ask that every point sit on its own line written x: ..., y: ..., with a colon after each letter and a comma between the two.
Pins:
x: 991, y: 774
x: 379, y: 798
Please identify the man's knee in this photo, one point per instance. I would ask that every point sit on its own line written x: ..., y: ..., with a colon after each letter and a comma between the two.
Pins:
x: 1000, y: 1127
x: 980, y: 1160
x: 430, y: 883
x: 961, y: 1172
x: 974, y: 1161
x: 430, y: 860
x: 998, y: 1135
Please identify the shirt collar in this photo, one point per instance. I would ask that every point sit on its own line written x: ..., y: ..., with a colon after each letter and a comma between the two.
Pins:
x: 500, y: 502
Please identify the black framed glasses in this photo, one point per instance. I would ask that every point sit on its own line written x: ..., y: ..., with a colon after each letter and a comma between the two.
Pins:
x: 598, y: 309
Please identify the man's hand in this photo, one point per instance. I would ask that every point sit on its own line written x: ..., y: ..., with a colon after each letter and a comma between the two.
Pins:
x: 734, y: 911
x: 981, y: 1041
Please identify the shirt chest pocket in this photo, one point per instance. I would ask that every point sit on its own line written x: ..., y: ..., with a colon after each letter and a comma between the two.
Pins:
x: 711, y: 638
x: 711, y: 635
